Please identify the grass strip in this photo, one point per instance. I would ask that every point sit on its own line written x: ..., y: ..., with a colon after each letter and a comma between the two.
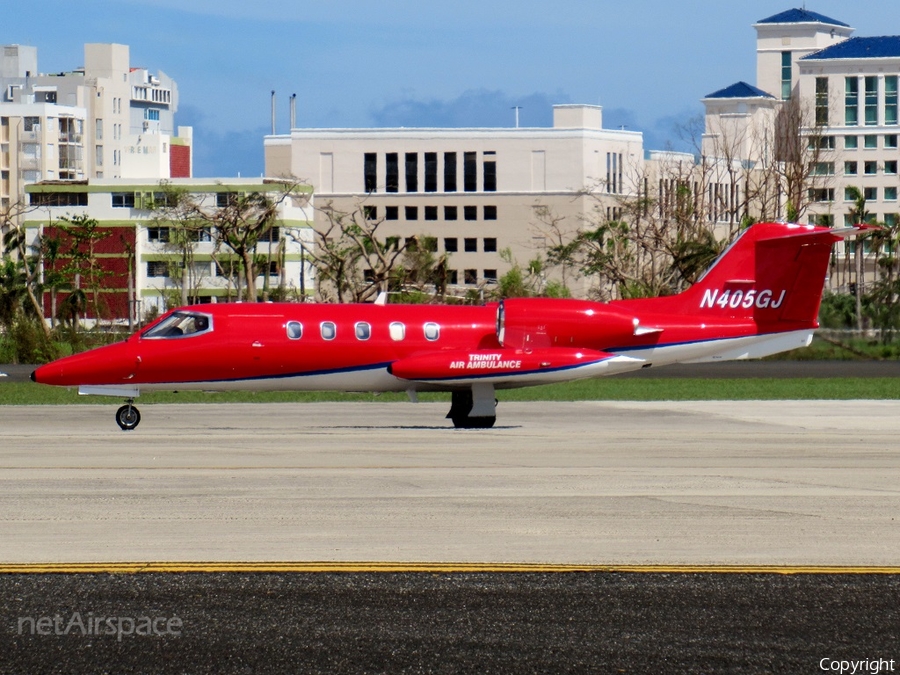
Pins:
x: 605, y: 389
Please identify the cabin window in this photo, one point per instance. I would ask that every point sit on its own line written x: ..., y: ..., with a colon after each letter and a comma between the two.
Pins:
x: 180, y: 324
x: 432, y: 331
x: 397, y: 331
x: 328, y: 330
x: 363, y: 331
x: 294, y: 330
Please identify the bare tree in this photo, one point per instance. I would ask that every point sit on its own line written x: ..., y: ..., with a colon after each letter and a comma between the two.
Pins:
x: 354, y: 262
x: 799, y: 145
x: 237, y: 222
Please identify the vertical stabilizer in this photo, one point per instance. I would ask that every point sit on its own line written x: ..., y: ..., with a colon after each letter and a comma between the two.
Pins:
x: 774, y: 273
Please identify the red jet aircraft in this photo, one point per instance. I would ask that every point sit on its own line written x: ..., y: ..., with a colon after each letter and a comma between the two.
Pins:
x: 759, y: 298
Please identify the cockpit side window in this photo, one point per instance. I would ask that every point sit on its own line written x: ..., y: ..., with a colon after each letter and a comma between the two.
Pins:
x: 180, y: 324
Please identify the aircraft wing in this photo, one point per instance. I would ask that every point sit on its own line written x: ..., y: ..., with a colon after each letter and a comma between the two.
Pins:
x: 510, y: 367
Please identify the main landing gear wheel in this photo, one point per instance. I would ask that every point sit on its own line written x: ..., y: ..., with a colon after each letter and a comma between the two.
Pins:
x: 462, y: 405
x: 128, y: 417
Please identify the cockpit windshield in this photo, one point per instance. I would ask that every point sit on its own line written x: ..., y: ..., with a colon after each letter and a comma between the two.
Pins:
x: 180, y: 324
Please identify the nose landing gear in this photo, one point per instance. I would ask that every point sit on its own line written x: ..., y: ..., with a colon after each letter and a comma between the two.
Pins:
x: 128, y: 417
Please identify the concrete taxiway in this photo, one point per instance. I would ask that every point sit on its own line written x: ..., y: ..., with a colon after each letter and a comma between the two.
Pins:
x: 692, y: 483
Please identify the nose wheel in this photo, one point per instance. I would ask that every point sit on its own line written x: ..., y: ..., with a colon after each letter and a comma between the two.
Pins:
x: 128, y: 417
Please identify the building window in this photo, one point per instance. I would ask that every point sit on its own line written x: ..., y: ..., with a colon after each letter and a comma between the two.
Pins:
x: 614, y: 172
x: 160, y: 234
x: 449, y: 172
x: 890, y: 141
x: 870, y: 168
x: 98, y: 132
x: 890, y: 194
x: 58, y: 199
x: 871, y: 109
x: 451, y: 245
x: 391, y: 212
x: 151, y: 114
x: 224, y: 199
x: 370, y: 171
x: 370, y: 212
x: 470, y: 277
x: 431, y: 172
x: 470, y: 172
x: 822, y: 143
x: 870, y: 142
x: 470, y: 245
x: 328, y: 330
x: 123, y: 200
x: 851, y: 101
x: 431, y: 213
x: 392, y: 172
x: 850, y: 169
x: 451, y: 277
x: 470, y: 212
x: 490, y: 244
x: 411, y: 212
x: 871, y: 194
x: 890, y: 99
x: 822, y: 101
x: 490, y: 174
x: 490, y: 213
x: 890, y: 167
x: 821, y: 194
x: 851, y: 142
x: 490, y: 276
x: 412, y: 172
x: 450, y: 213
x: 157, y: 268
x: 785, y: 75
x: 98, y: 155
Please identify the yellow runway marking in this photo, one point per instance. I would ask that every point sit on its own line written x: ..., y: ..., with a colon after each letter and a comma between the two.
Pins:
x: 431, y: 568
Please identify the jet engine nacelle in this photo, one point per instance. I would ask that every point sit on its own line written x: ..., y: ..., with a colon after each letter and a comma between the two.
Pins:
x: 540, y: 323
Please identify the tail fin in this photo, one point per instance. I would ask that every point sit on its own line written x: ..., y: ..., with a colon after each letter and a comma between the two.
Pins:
x: 773, y: 273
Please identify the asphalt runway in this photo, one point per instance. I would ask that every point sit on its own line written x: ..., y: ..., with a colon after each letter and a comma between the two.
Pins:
x: 674, y: 485
x: 449, y: 623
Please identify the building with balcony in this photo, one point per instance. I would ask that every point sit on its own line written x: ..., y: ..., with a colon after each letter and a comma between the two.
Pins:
x: 840, y: 95
x: 146, y: 262
x: 105, y: 119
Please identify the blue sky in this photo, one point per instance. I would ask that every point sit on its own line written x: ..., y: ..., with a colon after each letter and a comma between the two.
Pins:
x: 355, y: 63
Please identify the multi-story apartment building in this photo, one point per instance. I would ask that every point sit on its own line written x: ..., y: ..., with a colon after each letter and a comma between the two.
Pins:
x: 477, y: 192
x: 842, y: 92
x: 143, y: 265
x: 105, y: 119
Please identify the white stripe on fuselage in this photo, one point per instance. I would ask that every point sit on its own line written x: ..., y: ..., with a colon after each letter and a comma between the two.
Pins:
x: 725, y: 349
